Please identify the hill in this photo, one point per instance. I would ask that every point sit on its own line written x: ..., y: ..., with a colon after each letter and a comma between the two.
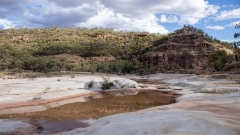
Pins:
x: 104, y: 50
x: 187, y: 48
x: 83, y: 42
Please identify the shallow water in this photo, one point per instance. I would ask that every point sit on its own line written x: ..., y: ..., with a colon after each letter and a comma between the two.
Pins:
x: 99, y: 105
x: 64, y: 117
x: 59, y: 126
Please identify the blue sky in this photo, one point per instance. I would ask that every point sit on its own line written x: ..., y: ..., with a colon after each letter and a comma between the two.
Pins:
x: 216, y: 17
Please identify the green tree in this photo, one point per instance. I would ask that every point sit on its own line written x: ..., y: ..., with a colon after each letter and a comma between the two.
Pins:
x: 236, y: 44
x: 41, y: 64
x: 60, y: 63
x: 13, y: 58
x: 236, y: 35
x: 218, y: 59
x: 5, y: 59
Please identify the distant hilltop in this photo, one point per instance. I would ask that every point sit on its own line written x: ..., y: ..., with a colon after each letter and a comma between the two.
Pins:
x: 54, y: 49
x: 187, y: 48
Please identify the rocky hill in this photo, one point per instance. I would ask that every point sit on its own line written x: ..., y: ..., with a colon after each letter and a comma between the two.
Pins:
x: 105, y: 50
x: 186, y: 49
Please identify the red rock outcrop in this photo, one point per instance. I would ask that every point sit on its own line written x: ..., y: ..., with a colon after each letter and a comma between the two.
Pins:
x: 180, y: 51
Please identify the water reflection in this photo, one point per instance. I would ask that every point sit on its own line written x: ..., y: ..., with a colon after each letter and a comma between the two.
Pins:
x: 59, y: 126
x: 99, y: 105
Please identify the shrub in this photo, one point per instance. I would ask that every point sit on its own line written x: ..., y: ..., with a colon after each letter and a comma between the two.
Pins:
x: 218, y: 59
x: 106, y: 84
x: 90, y: 84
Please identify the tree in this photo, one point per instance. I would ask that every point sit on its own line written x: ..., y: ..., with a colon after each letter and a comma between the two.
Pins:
x: 12, y: 58
x: 5, y: 57
x: 236, y: 35
x: 236, y: 44
x: 218, y: 59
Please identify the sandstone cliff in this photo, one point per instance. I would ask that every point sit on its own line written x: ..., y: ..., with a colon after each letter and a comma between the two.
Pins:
x: 185, y: 50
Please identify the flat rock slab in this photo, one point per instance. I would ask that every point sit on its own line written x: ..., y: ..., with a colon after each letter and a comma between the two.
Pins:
x: 7, y: 125
x: 195, y: 113
x: 23, y: 92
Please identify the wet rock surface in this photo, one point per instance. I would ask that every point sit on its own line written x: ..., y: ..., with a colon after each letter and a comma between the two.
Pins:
x: 209, y: 104
x: 25, y: 92
x: 195, y: 112
x: 63, y: 125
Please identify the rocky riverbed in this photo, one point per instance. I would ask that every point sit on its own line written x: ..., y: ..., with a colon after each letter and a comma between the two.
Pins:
x: 205, y: 104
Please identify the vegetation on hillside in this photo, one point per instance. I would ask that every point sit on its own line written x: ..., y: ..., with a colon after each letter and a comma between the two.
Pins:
x: 210, y: 38
x: 28, y: 49
x: 237, y: 44
x: 218, y: 59
x: 83, y: 42
x: 33, y: 49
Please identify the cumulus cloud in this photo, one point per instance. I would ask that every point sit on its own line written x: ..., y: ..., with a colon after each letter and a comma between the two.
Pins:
x: 168, y: 19
x: 108, y: 19
x: 7, y: 24
x: 225, y: 15
x: 215, y: 27
x: 71, y: 3
x: 12, y: 7
x: 117, y: 14
x: 51, y: 14
x: 190, y: 11
x: 233, y: 24
x: 228, y: 6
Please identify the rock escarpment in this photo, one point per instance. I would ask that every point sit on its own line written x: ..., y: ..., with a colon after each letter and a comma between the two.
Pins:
x: 185, y: 50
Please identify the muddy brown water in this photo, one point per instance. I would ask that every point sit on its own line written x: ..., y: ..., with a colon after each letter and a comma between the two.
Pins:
x: 103, y: 104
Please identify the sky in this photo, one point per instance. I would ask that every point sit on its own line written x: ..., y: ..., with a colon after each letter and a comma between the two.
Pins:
x: 215, y: 17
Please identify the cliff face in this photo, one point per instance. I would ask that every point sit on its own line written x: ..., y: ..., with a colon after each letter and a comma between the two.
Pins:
x: 180, y: 51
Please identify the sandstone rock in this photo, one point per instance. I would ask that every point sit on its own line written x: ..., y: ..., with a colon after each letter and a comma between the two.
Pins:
x: 185, y: 51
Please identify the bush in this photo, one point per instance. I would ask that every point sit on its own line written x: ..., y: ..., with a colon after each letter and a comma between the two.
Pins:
x: 106, y: 84
x: 218, y: 59
x: 90, y: 84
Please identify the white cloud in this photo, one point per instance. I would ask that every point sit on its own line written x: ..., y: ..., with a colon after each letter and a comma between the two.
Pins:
x: 12, y: 7
x: 70, y: 3
x: 117, y: 14
x: 229, y: 40
x: 233, y: 24
x: 6, y: 23
x: 190, y: 11
x: 67, y: 12
x: 52, y: 14
x: 188, y: 20
x: 225, y: 15
x: 228, y: 6
x: 107, y: 18
x: 215, y: 27
x: 168, y: 19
